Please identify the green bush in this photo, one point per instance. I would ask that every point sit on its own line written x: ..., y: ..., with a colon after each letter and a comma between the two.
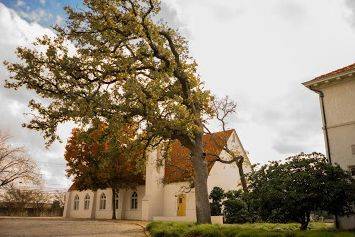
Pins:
x: 303, y: 184
x: 216, y: 195
x: 181, y: 229
x: 236, y: 209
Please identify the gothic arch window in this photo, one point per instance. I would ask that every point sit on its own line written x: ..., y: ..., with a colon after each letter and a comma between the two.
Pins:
x: 87, y: 201
x: 116, y: 201
x: 76, y: 202
x: 103, y: 201
x: 134, y: 200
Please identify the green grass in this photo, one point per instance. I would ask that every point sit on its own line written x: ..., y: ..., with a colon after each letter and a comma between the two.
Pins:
x: 181, y: 229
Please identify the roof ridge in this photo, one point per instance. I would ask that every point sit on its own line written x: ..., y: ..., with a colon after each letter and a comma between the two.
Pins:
x: 339, y: 70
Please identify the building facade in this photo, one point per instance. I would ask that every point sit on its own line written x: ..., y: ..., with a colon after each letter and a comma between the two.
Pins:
x: 166, y: 194
x: 337, y: 99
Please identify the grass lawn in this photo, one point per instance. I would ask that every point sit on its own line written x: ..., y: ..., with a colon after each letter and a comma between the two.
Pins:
x: 179, y: 229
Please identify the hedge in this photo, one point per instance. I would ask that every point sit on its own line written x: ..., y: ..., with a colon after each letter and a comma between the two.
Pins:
x: 180, y: 229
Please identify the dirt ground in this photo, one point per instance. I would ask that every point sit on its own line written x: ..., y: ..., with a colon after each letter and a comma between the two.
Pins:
x: 21, y: 227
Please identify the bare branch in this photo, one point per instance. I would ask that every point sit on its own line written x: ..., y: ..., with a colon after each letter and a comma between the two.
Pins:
x: 15, y: 164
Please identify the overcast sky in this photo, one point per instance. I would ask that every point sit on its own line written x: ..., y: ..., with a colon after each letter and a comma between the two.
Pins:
x: 256, y: 51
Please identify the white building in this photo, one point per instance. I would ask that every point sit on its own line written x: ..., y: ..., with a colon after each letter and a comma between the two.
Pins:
x: 166, y: 194
x: 336, y: 92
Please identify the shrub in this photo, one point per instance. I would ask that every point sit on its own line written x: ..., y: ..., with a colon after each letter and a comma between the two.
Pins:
x: 217, y: 194
x: 305, y: 183
x: 174, y: 229
x: 235, y: 208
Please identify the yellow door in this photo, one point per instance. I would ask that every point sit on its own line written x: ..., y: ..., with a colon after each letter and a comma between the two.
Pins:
x: 181, y: 205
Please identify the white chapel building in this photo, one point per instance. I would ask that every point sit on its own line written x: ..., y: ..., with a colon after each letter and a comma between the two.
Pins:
x: 165, y: 194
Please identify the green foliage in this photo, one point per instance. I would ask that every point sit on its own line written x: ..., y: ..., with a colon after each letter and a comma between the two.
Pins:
x: 216, y: 195
x: 290, y: 191
x: 114, y: 63
x: 181, y: 229
x: 236, y: 208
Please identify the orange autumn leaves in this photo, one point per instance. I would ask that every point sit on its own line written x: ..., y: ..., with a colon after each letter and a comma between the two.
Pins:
x: 98, y: 159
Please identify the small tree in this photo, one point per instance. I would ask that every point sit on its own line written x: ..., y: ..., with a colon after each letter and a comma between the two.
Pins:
x: 15, y: 165
x: 216, y: 195
x: 291, y: 190
x: 235, y: 208
x: 97, y: 160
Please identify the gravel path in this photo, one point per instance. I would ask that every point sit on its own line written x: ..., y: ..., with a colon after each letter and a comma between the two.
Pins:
x: 18, y: 227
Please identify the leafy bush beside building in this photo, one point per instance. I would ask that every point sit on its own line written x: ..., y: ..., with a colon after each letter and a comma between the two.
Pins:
x: 290, y: 191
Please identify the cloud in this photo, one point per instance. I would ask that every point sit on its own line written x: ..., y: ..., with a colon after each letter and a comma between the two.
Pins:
x: 169, y: 15
x: 59, y: 20
x: 350, y: 4
x: 291, y: 11
x: 224, y: 12
x: 36, y: 15
x: 17, y: 32
x: 20, y: 3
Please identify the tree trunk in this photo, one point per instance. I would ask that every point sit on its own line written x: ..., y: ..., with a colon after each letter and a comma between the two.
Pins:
x: 305, y: 222
x: 113, y: 204
x: 242, y: 175
x: 203, y: 209
x: 337, y: 224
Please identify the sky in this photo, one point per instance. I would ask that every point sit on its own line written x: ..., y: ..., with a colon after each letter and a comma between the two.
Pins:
x: 258, y: 52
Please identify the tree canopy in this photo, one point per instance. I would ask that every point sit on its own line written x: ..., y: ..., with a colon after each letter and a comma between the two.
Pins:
x: 113, y: 63
x: 98, y: 159
x: 291, y: 190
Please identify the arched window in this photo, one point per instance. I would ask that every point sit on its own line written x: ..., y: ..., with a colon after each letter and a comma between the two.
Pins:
x: 87, y: 201
x: 116, y: 201
x: 76, y: 202
x: 134, y: 201
x: 103, y: 201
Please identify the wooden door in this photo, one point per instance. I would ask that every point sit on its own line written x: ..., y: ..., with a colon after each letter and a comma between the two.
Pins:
x: 181, y: 205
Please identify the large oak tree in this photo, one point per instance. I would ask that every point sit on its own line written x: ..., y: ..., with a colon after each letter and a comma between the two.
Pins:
x: 115, y: 64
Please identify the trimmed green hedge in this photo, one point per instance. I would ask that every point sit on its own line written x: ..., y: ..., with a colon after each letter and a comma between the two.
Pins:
x: 180, y: 229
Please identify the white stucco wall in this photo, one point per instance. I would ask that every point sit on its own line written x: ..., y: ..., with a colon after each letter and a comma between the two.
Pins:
x: 171, y: 192
x: 339, y: 103
x: 81, y: 212
x: 124, y: 202
x: 154, y: 195
x: 134, y: 214
x: 107, y: 212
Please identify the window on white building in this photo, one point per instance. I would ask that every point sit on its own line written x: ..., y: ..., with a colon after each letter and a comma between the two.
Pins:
x: 76, y: 202
x: 116, y: 201
x: 134, y: 201
x: 103, y: 201
x: 353, y: 149
x: 87, y: 201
